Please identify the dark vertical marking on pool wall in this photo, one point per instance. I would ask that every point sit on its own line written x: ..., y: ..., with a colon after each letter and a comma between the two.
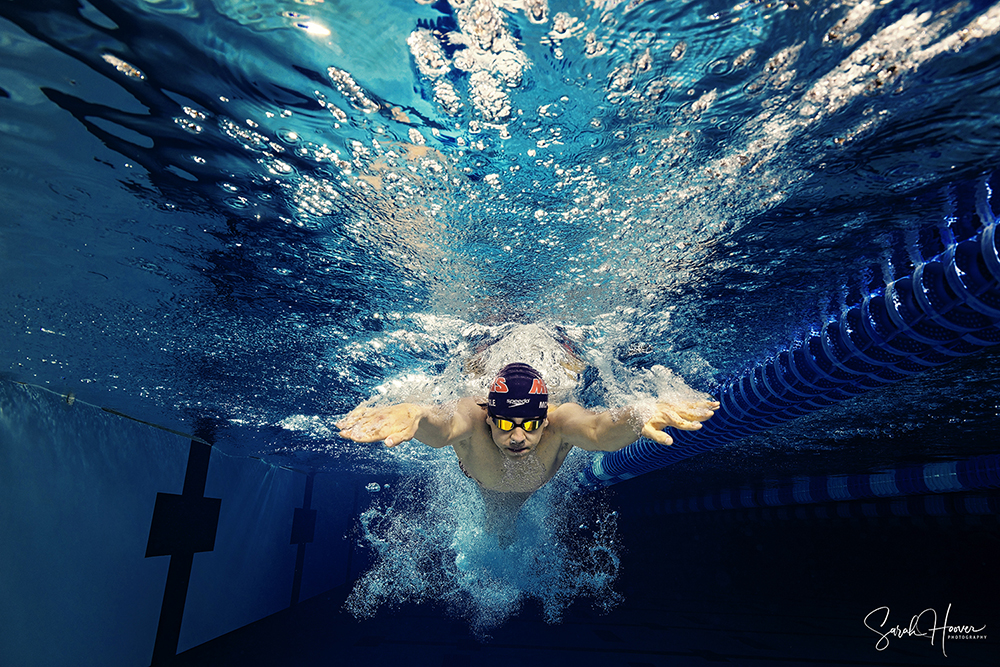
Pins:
x: 303, y: 532
x: 182, y: 526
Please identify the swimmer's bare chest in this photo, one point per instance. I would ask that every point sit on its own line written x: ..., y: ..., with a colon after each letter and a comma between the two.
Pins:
x: 480, y: 459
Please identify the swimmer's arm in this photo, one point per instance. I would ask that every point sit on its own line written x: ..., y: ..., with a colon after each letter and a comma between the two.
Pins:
x: 433, y: 425
x: 595, y: 431
x: 443, y: 426
x: 612, y: 430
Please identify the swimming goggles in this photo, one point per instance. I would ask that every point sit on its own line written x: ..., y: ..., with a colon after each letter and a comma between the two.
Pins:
x: 528, y: 425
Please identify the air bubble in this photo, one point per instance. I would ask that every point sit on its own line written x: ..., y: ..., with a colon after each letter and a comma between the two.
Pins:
x: 430, y: 543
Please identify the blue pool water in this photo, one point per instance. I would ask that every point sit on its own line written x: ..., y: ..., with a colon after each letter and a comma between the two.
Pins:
x: 204, y: 221
x: 244, y: 218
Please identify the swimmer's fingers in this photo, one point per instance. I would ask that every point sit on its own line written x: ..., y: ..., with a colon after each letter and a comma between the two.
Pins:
x: 686, y: 416
x: 656, y: 435
x: 400, y: 437
x: 359, y: 433
x: 359, y: 419
x: 369, y: 426
x: 347, y: 422
x: 681, y: 414
x: 696, y: 410
x: 667, y: 416
x: 393, y: 425
x: 354, y: 416
x: 701, y: 404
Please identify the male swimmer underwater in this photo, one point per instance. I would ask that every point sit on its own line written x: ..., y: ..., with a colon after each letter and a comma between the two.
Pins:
x: 511, y: 443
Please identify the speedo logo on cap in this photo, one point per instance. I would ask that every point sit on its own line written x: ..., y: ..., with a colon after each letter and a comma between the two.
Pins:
x: 517, y: 402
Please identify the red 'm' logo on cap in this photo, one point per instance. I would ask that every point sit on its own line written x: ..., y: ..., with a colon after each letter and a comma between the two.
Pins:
x: 538, y: 387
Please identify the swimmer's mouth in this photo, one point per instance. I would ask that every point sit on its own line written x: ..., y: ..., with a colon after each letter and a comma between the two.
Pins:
x: 517, y: 450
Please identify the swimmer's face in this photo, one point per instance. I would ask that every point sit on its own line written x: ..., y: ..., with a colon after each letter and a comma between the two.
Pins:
x: 516, y: 443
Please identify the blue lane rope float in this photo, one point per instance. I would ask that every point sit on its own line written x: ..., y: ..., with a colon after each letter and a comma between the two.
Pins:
x: 975, y: 474
x: 947, y: 308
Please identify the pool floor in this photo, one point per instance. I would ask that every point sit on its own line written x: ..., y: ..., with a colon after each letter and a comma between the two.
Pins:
x: 694, y: 631
x: 742, y: 588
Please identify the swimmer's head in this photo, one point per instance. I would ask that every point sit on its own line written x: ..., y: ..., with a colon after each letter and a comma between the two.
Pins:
x: 518, y: 392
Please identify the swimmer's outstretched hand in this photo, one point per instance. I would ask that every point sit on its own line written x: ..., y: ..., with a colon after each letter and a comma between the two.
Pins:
x: 685, y: 415
x: 392, y: 424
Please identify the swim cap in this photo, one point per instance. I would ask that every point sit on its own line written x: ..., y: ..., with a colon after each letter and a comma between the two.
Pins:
x: 518, y: 392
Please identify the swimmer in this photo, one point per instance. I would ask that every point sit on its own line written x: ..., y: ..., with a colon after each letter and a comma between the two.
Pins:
x: 511, y: 443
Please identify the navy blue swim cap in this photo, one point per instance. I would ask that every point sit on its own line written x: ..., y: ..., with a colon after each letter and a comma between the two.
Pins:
x: 518, y: 392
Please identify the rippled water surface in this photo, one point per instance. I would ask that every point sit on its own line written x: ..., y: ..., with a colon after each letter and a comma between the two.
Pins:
x: 254, y: 215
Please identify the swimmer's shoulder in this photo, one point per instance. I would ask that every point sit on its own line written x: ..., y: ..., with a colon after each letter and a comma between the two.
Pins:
x: 567, y: 421
x: 560, y: 413
x: 470, y: 415
x: 473, y: 406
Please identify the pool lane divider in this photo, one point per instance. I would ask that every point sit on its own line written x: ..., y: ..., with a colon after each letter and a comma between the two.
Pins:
x: 946, y: 309
x: 932, y: 479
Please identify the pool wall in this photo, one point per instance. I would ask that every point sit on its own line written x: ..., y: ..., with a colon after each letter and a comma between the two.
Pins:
x: 121, y: 537
x: 128, y: 545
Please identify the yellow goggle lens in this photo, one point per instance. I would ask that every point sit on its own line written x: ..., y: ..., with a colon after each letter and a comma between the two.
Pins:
x: 508, y: 425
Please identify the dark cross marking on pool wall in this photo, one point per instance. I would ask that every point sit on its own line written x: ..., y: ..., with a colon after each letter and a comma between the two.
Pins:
x: 182, y: 526
x: 303, y: 531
